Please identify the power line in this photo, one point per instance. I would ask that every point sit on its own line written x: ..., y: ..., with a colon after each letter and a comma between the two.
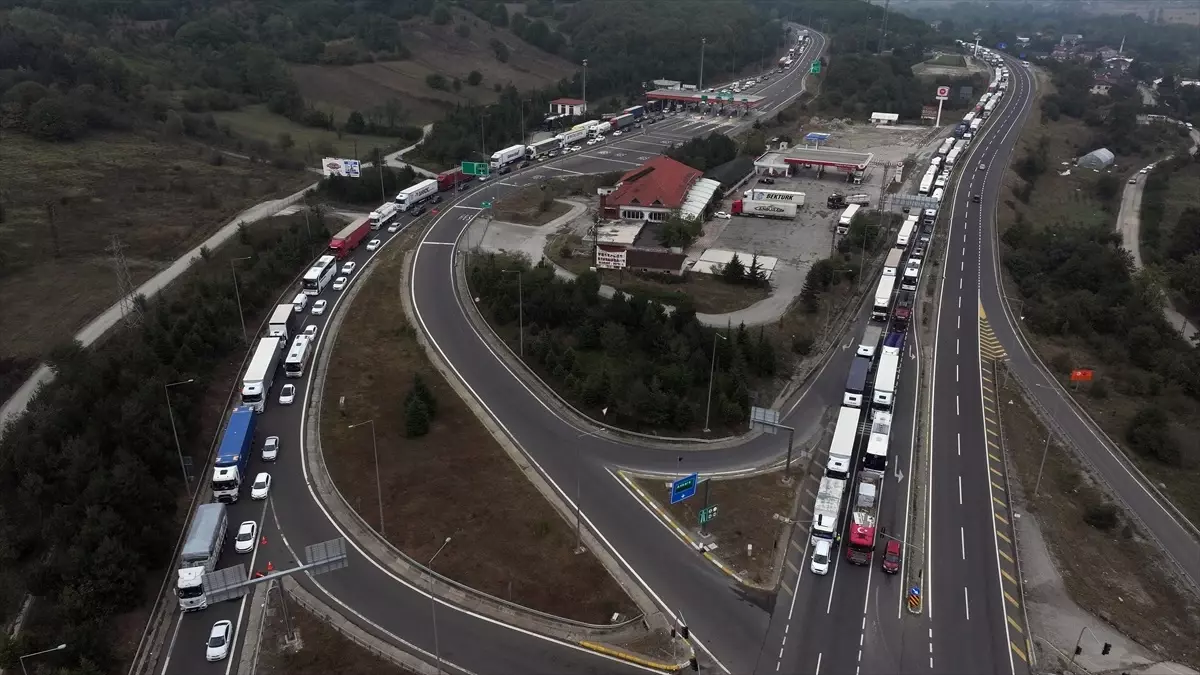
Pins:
x: 131, y: 310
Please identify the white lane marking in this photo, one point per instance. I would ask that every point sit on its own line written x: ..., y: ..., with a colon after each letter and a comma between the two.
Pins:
x: 962, y: 535
x: 960, y: 501
x: 967, y: 603
x: 958, y: 442
x: 437, y: 243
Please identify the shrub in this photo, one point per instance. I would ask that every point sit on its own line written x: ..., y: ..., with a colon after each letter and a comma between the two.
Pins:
x: 1103, y: 517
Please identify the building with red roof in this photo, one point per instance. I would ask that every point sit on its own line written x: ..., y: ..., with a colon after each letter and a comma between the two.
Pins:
x: 651, y: 192
x: 568, y: 106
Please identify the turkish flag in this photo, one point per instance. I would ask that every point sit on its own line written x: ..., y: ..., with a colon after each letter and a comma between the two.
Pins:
x: 1081, y: 375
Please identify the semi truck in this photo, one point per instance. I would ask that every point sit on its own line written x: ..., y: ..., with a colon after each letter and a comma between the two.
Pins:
x: 870, y: 340
x: 892, y: 264
x: 282, y: 322
x: 863, y: 519
x: 260, y: 374
x: 233, y: 455
x: 201, y: 551
x: 902, y: 312
x: 542, y: 148
x: 749, y: 207
x: 841, y: 448
x: 882, y: 306
x: 847, y: 218
x: 638, y: 111
x: 571, y: 137
x: 946, y: 145
x: 348, y: 239
x: 856, y: 381
x: 383, y: 215
x: 598, y: 129
x: 450, y: 180
x: 761, y: 195
x: 975, y: 124
x: 885, y: 375
x: 622, y: 122
x: 507, y: 156
x: 826, y: 509
x: 419, y: 192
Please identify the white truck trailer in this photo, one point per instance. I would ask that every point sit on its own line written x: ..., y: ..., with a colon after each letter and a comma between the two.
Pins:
x: 421, y: 191
x: 260, y: 375
x: 201, y: 551
x: 282, y: 323
x: 509, y: 155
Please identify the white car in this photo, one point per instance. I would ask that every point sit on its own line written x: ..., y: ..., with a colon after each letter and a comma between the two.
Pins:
x: 617, y: 132
x: 593, y: 141
x: 270, y: 451
x: 394, y: 227
x: 310, y: 331
x: 576, y: 148
x: 219, y: 639
x: 339, y: 283
x: 348, y: 268
x: 244, y: 541
x: 722, y: 215
x: 261, y: 486
x: 822, y: 552
x: 319, y: 306
x: 287, y: 395
x: 372, y: 245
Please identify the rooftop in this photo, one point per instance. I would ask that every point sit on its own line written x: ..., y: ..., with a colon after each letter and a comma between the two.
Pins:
x: 568, y: 101
x: 622, y: 234
x: 661, y: 182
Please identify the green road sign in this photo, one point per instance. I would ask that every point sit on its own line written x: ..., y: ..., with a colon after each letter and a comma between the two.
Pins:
x: 475, y: 168
x: 707, y: 514
x: 485, y: 205
x: 703, y: 97
x: 816, y: 68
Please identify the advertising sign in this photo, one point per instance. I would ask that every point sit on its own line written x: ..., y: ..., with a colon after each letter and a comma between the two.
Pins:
x: 333, y: 166
x: 929, y: 112
x: 610, y: 259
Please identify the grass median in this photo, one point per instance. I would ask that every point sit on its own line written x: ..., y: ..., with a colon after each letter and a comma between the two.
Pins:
x: 454, y: 481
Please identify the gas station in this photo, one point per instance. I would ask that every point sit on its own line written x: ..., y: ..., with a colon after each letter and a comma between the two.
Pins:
x: 786, y: 161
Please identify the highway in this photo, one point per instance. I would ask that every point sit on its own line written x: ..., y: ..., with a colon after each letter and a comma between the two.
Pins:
x: 387, y: 606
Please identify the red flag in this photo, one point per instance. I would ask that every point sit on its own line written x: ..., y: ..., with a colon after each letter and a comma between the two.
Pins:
x: 1081, y: 375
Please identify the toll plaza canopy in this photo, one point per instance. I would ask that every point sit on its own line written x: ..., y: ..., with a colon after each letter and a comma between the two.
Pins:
x: 685, y: 96
x: 841, y: 159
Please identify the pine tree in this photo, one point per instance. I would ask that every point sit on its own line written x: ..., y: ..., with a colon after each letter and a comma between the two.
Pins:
x: 421, y: 391
x: 416, y: 418
x: 755, y: 275
x: 734, y: 271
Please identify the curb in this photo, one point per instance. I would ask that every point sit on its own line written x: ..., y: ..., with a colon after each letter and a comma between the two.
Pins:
x: 632, y: 658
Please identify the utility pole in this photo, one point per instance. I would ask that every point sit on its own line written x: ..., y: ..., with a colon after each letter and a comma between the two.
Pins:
x: 585, y: 88
x: 703, y: 41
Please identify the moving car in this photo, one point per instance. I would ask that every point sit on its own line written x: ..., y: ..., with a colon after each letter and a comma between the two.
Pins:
x: 319, y: 306
x: 373, y: 244
x: 219, y: 639
x: 892, y: 557
x: 617, y: 132
x: 270, y: 451
x: 981, y: 167
x: 436, y: 199
x: 244, y: 541
x: 975, y: 197
x: 287, y: 395
x: 348, y: 268
x: 417, y: 210
x: 261, y: 486
x: 339, y: 283
x: 395, y: 226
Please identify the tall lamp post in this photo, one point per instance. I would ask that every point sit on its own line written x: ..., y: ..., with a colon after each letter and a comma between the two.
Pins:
x: 712, y: 371
x: 520, y: 311
x: 187, y: 484
x: 1037, y: 485
x: 237, y: 294
x: 378, y: 483
x: 437, y: 650
x: 585, y: 87
x: 44, y: 651
x: 703, y: 41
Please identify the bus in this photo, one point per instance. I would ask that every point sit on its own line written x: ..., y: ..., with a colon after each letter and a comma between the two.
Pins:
x: 875, y: 458
x: 297, y: 357
x: 319, y: 275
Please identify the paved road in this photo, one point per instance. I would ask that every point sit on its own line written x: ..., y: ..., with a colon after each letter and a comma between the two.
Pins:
x: 722, y: 616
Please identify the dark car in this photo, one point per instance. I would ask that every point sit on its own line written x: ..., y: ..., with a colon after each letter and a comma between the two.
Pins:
x: 417, y: 210
x: 975, y: 197
x: 503, y: 170
x: 436, y: 199
x: 891, y: 557
x: 767, y: 181
x: 464, y: 187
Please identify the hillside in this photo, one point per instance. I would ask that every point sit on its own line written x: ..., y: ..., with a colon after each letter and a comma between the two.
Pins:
x: 452, y: 50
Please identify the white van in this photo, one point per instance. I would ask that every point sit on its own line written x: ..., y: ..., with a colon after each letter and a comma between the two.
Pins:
x: 299, y: 302
x: 822, y: 552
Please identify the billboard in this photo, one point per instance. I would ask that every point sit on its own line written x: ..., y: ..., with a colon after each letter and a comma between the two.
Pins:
x: 333, y: 166
x: 929, y: 112
x: 610, y: 258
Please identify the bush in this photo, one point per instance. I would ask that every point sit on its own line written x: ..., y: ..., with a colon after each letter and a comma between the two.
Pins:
x: 499, y: 49
x: 474, y: 78
x: 1149, y: 435
x: 1103, y: 517
x: 436, y: 81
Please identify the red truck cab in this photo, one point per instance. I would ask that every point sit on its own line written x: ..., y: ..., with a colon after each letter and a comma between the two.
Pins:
x: 892, y: 557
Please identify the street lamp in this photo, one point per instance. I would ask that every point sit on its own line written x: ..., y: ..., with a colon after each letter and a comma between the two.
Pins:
x: 578, y: 483
x: 187, y: 484
x: 520, y: 310
x: 44, y: 651
x: 378, y: 483
x: 585, y: 87
x: 437, y: 650
x: 238, y: 294
x: 712, y: 371
x: 1037, y: 485
x: 703, y: 41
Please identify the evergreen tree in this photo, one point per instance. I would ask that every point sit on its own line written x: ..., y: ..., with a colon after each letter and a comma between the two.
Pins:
x: 734, y: 271
x: 416, y: 418
x: 421, y: 391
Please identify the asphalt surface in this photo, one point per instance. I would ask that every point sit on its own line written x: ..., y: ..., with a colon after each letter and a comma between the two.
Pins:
x: 728, y: 621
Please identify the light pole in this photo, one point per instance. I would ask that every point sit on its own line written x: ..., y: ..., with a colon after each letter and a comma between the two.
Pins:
x: 44, y: 651
x: 579, y: 483
x: 585, y: 87
x: 437, y: 650
x: 703, y: 41
x: 378, y: 483
x: 287, y: 618
x: 187, y: 484
x: 1037, y: 484
x: 238, y: 295
x: 520, y: 310
x: 712, y: 371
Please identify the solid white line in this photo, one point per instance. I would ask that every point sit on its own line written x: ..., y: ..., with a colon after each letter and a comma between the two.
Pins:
x: 818, y: 670
x: 437, y: 243
x: 470, y: 208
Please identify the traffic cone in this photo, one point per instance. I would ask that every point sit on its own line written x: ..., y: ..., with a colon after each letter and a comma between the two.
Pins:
x: 257, y: 574
x: 270, y: 567
x: 263, y: 541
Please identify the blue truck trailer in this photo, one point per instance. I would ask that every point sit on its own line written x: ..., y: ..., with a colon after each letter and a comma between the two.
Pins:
x: 233, y: 456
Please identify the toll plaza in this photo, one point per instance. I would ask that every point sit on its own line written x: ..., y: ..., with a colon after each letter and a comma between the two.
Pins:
x: 743, y: 102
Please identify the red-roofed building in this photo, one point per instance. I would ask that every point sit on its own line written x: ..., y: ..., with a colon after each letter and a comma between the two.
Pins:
x: 651, y: 191
x: 568, y: 106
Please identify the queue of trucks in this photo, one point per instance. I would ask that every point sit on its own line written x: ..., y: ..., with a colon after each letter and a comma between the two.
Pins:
x: 201, y: 551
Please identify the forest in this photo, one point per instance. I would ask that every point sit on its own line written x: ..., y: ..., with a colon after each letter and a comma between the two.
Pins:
x: 90, y: 478
x: 648, y: 368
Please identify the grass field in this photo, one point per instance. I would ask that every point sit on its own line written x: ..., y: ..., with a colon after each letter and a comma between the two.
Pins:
x: 160, y: 199
x: 455, y: 481
x: 948, y: 60
x: 435, y: 50
x: 311, y: 143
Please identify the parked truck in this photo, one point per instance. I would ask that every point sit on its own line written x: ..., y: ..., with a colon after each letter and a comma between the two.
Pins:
x: 260, y: 374
x: 598, y: 129
x: 751, y: 207
x: 419, y: 192
x: 638, y: 111
x: 826, y: 509
x: 507, y: 156
x: 863, y: 519
x: 902, y: 311
x: 571, y: 137
x: 201, y: 551
x: 233, y: 455
x: 542, y: 148
x: 761, y: 195
x: 348, y: 239
x: 282, y: 322
x: 383, y: 214
x: 450, y: 180
x: 622, y: 122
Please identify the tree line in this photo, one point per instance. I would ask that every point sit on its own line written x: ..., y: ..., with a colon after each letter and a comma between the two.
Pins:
x: 89, y: 476
x: 648, y: 367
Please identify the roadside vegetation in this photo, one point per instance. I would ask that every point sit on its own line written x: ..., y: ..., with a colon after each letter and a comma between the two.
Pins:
x: 648, y: 369
x: 1081, y: 302
x: 1170, y: 229
x: 442, y: 473
x: 90, y: 487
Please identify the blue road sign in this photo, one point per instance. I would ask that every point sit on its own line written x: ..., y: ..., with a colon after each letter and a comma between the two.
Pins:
x: 915, y: 590
x: 816, y: 137
x: 683, y: 488
x: 1002, y: 45
x: 1022, y: 56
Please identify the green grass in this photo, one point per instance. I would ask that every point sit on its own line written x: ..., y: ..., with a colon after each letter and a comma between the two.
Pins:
x: 950, y: 60
x: 257, y: 122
